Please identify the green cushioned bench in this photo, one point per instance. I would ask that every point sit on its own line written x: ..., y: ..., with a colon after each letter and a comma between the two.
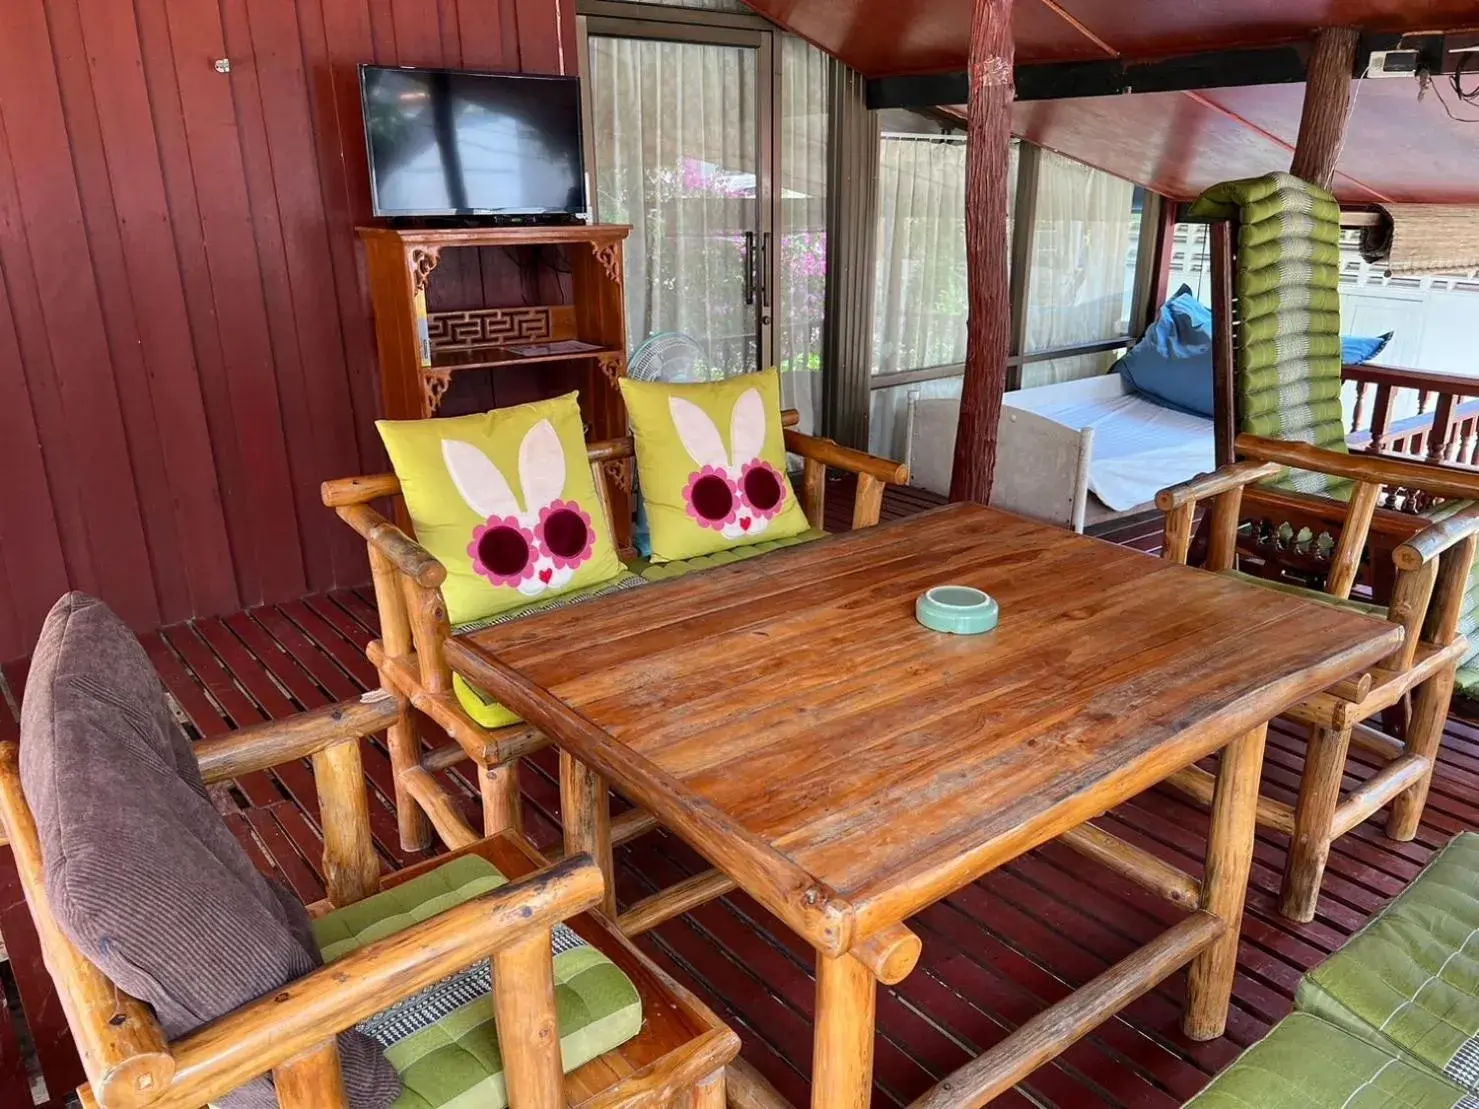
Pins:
x: 1409, y: 980
x: 1307, y: 1063
x: 443, y: 1041
x: 1392, y: 1019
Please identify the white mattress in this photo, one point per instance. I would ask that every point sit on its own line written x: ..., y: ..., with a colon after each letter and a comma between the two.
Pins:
x: 1139, y: 448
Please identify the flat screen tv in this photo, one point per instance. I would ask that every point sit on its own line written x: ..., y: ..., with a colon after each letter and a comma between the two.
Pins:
x: 450, y: 143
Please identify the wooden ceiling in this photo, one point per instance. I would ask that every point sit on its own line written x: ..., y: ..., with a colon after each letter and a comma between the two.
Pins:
x: 1179, y: 143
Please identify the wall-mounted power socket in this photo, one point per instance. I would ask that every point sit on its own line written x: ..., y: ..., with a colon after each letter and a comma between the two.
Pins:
x: 1393, y: 63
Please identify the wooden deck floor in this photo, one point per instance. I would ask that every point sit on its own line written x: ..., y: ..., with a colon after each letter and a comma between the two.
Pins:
x: 994, y: 954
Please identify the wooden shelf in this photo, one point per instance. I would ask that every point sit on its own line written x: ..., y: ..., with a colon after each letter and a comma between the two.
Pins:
x: 482, y: 358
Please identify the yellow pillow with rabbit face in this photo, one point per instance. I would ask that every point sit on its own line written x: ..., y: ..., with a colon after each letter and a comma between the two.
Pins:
x: 504, y: 542
x: 704, y: 489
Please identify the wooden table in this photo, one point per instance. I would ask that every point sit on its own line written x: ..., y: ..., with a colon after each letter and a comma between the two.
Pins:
x: 789, y: 719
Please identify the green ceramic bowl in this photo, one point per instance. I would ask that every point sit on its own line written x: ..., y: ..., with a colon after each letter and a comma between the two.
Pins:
x: 957, y: 609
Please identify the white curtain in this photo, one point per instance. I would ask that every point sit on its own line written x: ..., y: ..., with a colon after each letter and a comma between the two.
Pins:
x: 674, y: 132
x: 1082, y: 266
x: 919, y: 303
x: 801, y: 228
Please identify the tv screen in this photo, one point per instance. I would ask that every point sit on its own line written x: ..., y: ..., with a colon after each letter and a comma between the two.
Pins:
x: 448, y: 143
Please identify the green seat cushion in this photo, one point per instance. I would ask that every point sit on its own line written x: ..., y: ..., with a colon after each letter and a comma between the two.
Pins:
x: 488, y: 712
x: 1409, y: 980
x: 1305, y: 1063
x: 1349, y: 605
x: 663, y: 571
x: 443, y: 1041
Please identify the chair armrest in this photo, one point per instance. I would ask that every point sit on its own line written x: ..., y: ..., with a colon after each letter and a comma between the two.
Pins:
x: 264, y: 1033
x: 1216, y: 483
x: 1448, y: 480
x: 404, y: 553
x: 272, y: 743
x: 358, y: 490
x: 1436, y: 538
x: 834, y: 454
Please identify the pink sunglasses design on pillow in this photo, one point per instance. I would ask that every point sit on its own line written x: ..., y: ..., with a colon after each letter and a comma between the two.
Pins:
x: 739, y: 493
x: 532, y: 550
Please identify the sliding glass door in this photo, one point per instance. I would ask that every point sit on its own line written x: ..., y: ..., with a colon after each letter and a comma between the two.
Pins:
x: 680, y: 144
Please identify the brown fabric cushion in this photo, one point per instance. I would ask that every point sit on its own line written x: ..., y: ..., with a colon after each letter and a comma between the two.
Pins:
x: 143, y: 874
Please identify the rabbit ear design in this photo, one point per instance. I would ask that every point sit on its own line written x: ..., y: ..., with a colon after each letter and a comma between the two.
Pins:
x: 481, y: 484
x: 747, y: 428
x: 541, y: 466
x: 698, y: 433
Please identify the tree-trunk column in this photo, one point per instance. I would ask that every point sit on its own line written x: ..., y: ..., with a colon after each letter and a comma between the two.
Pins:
x: 988, y: 335
x: 1328, y: 92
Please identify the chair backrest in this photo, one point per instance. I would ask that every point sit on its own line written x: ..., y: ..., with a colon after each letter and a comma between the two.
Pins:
x: 1047, y: 477
x: 1287, y: 355
x: 1042, y: 466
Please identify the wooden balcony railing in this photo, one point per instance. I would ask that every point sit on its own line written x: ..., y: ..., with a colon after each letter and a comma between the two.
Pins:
x: 1444, y: 429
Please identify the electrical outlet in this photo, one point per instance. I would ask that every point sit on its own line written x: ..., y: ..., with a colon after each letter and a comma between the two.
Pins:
x: 1392, y: 63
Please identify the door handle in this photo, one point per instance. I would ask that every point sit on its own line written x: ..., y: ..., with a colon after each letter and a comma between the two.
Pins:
x: 749, y: 267
x: 763, y: 270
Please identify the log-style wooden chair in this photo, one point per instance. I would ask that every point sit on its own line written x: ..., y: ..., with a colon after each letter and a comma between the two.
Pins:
x: 414, y: 630
x: 1431, y: 567
x: 678, y: 1057
x: 1287, y: 536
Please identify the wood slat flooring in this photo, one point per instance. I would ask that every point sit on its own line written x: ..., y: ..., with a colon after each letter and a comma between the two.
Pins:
x: 994, y: 953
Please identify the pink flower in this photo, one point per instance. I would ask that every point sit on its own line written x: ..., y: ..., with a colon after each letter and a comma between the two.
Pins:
x: 565, y: 534
x: 711, y: 497
x: 502, y: 550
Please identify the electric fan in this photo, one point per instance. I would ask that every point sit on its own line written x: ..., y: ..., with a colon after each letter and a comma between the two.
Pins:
x: 671, y: 357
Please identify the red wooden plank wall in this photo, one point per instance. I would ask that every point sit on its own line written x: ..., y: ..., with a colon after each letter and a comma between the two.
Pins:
x: 185, y: 339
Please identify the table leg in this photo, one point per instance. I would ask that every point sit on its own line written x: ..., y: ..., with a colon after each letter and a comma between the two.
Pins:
x: 1225, y: 882
x: 842, y: 1053
x: 585, y: 811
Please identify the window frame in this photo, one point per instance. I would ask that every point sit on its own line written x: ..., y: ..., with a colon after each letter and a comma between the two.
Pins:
x: 1022, y: 250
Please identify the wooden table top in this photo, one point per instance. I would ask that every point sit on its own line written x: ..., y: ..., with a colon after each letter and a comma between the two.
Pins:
x: 793, y: 703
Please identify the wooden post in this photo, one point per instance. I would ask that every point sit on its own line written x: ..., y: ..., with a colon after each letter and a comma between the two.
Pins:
x: 524, y: 1004
x: 1224, y: 369
x: 1225, y: 882
x: 1327, y: 105
x: 585, y: 811
x: 503, y: 806
x: 1424, y: 735
x: 402, y: 737
x: 1314, y: 821
x: 842, y: 1050
x: 351, y: 867
x: 988, y: 333
x: 312, y: 1080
